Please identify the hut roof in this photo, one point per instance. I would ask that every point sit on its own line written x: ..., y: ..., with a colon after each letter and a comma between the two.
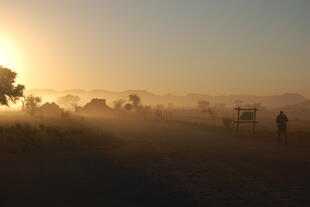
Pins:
x: 50, y: 108
x: 95, y: 106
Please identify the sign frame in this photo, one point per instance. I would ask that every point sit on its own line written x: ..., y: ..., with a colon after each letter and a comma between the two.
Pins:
x: 239, y: 121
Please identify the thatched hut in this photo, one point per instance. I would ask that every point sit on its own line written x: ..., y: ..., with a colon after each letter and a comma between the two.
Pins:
x: 50, y: 109
x: 95, y: 107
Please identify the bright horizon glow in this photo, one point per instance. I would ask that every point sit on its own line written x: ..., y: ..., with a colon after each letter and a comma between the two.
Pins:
x: 5, y: 59
x: 10, y: 57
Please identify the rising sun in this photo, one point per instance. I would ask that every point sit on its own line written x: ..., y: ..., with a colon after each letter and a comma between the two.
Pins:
x: 4, y: 59
x: 9, y: 56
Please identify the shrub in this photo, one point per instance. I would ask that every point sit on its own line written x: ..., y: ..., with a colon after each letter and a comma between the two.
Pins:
x: 227, y: 121
x: 25, y: 137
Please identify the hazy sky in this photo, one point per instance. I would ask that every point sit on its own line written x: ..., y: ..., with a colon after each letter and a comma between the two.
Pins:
x: 164, y: 46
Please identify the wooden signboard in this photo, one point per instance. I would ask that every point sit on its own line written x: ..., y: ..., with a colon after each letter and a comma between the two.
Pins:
x: 246, y: 116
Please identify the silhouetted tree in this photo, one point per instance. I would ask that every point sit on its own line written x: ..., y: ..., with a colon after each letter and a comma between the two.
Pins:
x: 135, y: 100
x: 32, y: 104
x: 203, y: 106
x: 23, y: 101
x: 128, y: 107
x: 118, y: 104
x: 228, y: 121
x: 9, y: 92
x: 68, y: 100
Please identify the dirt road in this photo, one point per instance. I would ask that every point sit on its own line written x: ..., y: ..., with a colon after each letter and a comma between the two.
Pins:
x: 221, y: 170
x: 161, y: 165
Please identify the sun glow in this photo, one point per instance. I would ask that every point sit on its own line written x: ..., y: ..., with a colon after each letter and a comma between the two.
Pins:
x: 4, y: 59
x: 9, y: 55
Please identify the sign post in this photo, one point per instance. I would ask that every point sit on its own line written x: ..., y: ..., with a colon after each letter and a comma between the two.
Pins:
x: 246, y: 116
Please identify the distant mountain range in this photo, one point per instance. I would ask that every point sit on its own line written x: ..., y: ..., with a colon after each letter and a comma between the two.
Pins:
x: 299, y: 107
x: 189, y: 100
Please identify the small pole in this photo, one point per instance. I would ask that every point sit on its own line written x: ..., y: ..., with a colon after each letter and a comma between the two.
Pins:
x: 254, y: 120
x: 41, y: 117
x: 238, y: 118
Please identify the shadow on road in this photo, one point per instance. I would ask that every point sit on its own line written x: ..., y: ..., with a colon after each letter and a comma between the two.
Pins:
x: 80, y: 179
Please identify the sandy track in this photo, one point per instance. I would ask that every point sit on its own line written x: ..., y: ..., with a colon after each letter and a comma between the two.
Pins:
x: 160, y: 165
x: 217, y: 170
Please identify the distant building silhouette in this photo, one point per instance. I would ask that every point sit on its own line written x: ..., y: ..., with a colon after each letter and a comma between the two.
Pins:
x: 50, y: 109
x: 95, y: 106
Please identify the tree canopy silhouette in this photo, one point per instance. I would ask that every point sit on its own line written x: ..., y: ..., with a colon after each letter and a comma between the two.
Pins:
x: 135, y: 100
x: 203, y: 106
x: 32, y: 104
x: 68, y: 100
x: 128, y: 107
x: 118, y: 104
x: 9, y: 92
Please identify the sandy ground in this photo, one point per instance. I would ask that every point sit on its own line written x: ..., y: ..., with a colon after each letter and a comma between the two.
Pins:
x: 160, y: 165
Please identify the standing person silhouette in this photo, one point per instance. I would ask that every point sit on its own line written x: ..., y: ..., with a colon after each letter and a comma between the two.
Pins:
x: 282, y: 126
